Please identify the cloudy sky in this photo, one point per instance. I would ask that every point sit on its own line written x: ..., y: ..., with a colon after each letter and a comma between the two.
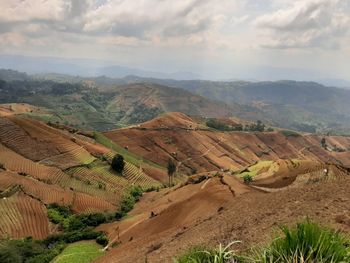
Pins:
x: 217, y: 39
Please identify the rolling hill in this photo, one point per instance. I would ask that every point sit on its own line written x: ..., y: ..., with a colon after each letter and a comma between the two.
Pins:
x: 198, y: 148
x: 41, y: 165
x: 304, y: 106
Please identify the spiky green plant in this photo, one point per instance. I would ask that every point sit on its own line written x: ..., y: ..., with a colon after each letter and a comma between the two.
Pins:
x: 307, y: 242
x: 222, y: 254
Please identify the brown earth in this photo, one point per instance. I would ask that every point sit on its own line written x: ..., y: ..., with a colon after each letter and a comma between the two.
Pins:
x: 199, y: 149
x: 222, y: 209
x: 42, y: 165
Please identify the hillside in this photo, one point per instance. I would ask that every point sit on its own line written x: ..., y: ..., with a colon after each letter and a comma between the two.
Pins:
x: 219, y: 208
x: 197, y: 148
x: 49, y: 170
x: 87, y: 106
x: 42, y: 165
x: 101, y: 103
x: 305, y: 106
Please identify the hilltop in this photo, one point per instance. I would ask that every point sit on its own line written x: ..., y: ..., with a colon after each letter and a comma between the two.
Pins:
x: 198, y: 148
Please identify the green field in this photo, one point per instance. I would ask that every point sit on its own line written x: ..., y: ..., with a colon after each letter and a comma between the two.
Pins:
x: 80, y: 252
x: 128, y: 156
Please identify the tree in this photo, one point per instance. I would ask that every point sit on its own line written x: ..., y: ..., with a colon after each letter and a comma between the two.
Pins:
x: 171, y: 170
x: 324, y: 143
x: 118, y: 163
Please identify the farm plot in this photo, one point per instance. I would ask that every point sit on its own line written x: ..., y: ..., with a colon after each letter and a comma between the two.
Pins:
x: 14, y: 162
x: 23, y: 216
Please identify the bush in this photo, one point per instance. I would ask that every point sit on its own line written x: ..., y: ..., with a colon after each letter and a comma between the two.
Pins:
x: 216, y: 124
x: 202, y: 255
x: 307, y: 242
x: 118, y: 163
x: 247, y: 179
x: 102, y: 240
x: 289, y: 133
x: 27, y: 250
x: 136, y: 192
x: 129, y: 201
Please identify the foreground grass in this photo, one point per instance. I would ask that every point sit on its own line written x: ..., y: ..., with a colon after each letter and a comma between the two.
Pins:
x: 80, y: 252
x: 307, y: 242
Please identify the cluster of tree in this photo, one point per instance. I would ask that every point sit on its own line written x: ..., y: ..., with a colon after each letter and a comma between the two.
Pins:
x: 75, y: 228
x: 253, y: 127
x: 129, y: 201
x: 17, y: 90
x: 215, y: 124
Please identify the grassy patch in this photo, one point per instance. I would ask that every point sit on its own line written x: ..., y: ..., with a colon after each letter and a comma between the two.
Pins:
x: 254, y: 169
x: 307, y: 242
x: 80, y: 252
x: 203, y: 255
x: 289, y: 133
x: 128, y: 156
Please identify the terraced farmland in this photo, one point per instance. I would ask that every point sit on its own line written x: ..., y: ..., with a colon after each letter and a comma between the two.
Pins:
x: 22, y: 216
x: 137, y: 177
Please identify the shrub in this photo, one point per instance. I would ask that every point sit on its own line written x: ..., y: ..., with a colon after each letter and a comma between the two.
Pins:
x: 307, y: 242
x: 129, y: 201
x: 102, y: 240
x: 289, y: 133
x: 118, y: 163
x: 247, y: 179
x: 136, y: 192
x: 27, y: 250
x: 202, y: 255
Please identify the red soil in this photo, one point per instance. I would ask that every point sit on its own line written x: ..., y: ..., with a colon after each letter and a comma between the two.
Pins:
x: 206, y: 150
x: 209, y: 212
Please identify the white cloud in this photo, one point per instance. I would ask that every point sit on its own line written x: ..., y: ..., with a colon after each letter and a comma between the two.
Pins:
x: 27, y: 10
x: 306, y: 23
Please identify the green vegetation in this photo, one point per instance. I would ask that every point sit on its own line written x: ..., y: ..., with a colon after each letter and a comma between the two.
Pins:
x: 254, y: 169
x: 28, y: 250
x: 128, y: 156
x: 68, y: 222
x: 217, y: 125
x: 118, y: 163
x: 253, y: 127
x: 289, y: 133
x: 247, y: 179
x: 129, y: 201
x: 80, y: 252
x: 307, y: 242
x: 202, y: 255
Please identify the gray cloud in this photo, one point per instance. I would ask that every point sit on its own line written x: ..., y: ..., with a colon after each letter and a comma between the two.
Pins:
x: 307, y: 23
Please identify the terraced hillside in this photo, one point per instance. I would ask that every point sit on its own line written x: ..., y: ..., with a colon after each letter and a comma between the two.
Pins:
x: 41, y: 165
x: 197, y: 148
x: 219, y: 207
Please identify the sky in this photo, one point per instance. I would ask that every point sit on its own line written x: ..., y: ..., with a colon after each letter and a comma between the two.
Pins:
x: 214, y: 38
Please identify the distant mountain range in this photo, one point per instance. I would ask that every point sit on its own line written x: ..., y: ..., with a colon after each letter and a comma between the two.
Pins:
x: 83, y: 67
x: 95, y: 68
x: 104, y: 103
